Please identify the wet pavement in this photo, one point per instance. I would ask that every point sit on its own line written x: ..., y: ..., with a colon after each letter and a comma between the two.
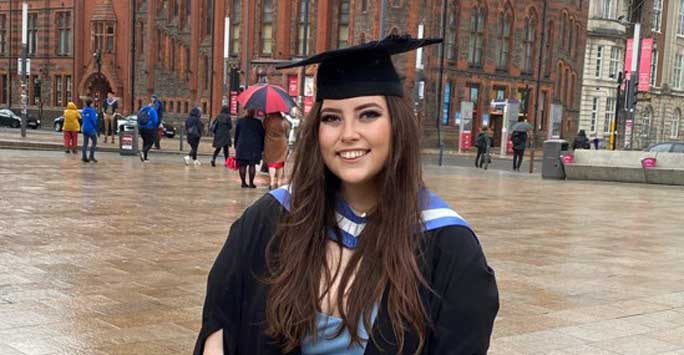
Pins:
x: 112, y: 258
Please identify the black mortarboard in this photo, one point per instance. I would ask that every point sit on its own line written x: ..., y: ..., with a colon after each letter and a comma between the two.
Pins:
x: 362, y: 70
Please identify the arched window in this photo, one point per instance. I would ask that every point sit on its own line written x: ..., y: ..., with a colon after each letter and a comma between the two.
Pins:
x: 476, y: 45
x: 301, y: 29
x: 549, y: 51
x: 646, y: 121
x: 503, y: 38
x: 571, y: 34
x: 529, y: 42
x: 453, y: 29
x: 563, y: 29
x: 559, y: 81
x: 676, y: 122
x: 576, y: 37
x: 267, y: 28
x: 343, y: 29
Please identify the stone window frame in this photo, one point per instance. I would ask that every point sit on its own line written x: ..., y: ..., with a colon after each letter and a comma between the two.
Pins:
x: 235, y: 27
x: 32, y: 34
x: 102, y: 38
x: 267, y: 26
x: 343, y: 38
x: 654, y: 68
x: 657, y: 16
x: 609, y: 115
x: 477, y: 38
x: 3, y: 34
x: 598, y: 68
x: 680, y: 19
x: 607, y: 9
x: 504, y: 40
x: 530, y: 42
x: 549, y: 50
x: 301, y: 7
x: 676, y: 123
x: 58, y: 91
x: 452, y: 32
x: 614, y: 62
x: 678, y: 72
x: 594, y: 114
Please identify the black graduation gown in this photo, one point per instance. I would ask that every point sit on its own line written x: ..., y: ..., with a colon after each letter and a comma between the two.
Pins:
x: 455, y: 268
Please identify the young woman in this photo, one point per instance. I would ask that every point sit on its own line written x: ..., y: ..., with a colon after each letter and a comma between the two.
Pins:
x: 356, y: 256
x: 193, y: 129
x: 71, y: 127
x: 249, y: 146
x: 275, y: 147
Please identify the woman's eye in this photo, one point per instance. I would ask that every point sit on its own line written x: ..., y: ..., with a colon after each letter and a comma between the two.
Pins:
x: 330, y: 118
x: 370, y: 115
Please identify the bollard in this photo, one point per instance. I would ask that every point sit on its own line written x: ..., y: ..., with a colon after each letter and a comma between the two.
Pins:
x: 180, y: 136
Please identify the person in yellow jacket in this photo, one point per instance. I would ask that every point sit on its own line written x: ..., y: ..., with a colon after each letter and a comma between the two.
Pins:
x: 72, y: 126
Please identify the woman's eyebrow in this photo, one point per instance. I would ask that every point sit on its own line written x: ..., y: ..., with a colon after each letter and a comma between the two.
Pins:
x: 368, y: 105
x: 330, y: 109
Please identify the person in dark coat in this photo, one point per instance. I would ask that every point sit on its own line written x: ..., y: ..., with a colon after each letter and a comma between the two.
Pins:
x: 222, y: 128
x: 147, y: 126
x: 193, y: 129
x: 519, y: 140
x: 249, y: 146
x: 581, y: 141
x: 481, y: 143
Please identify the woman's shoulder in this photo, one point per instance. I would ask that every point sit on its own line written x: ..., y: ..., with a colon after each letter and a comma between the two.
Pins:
x: 446, y: 228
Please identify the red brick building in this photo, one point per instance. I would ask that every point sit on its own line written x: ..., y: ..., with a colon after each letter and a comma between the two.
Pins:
x: 175, y: 48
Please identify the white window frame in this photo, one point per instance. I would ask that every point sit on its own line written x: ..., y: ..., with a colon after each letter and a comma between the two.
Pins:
x: 598, y: 71
x: 654, y: 67
x: 594, y: 114
x: 675, y: 124
x: 646, y: 122
x: 657, y: 15
x: 610, y: 114
x: 678, y: 66
x: 680, y: 19
x: 614, y: 67
x: 607, y: 9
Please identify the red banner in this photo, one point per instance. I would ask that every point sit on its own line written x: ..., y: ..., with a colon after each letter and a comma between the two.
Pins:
x: 466, y: 140
x: 645, y: 64
x: 308, y: 103
x: 233, y: 103
x: 292, y: 85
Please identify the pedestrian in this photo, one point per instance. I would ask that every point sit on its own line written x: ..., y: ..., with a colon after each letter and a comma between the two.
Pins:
x: 110, y: 107
x: 581, y: 141
x: 159, y: 107
x: 221, y: 128
x: 71, y: 127
x: 147, y: 124
x: 356, y: 255
x: 249, y: 146
x: 193, y: 131
x: 481, y: 143
x: 519, y: 140
x: 89, y: 130
x: 596, y: 140
x: 275, y: 147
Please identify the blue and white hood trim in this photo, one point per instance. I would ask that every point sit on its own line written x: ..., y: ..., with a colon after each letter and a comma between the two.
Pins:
x: 435, y: 214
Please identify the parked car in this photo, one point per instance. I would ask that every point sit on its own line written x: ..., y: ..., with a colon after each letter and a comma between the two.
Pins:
x: 168, y: 130
x: 666, y: 147
x: 58, y: 123
x: 9, y: 118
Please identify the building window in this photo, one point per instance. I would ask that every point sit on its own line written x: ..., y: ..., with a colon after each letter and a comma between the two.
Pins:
x: 654, y: 67
x: 210, y: 16
x: 598, y: 70
x: 32, y: 33
x: 676, y: 122
x: 141, y: 38
x: 499, y: 93
x: 607, y: 9
x: 59, y: 100
x: 172, y: 53
x: 396, y: 3
x: 343, y: 29
x: 63, y: 33
x: 563, y: 29
x: 610, y: 114
x: 594, y: 114
x: 160, y: 47
x: 477, y: 21
x: 5, y: 86
x: 109, y: 38
x: 304, y: 26
x: 646, y: 121
x: 207, y: 73
x: 680, y: 18
x: 267, y: 28
x: 364, y: 6
x: 68, y: 92
x: 549, y: 52
x: 503, y: 39
x: 474, y: 98
x: 3, y: 35
x: 236, y: 21
x: 656, y: 19
x: 577, y: 39
x: 104, y: 36
x: 614, y: 67
x: 679, y: 62
x: 451, y: 35
x: 529, y: 42
x: 571, y: 35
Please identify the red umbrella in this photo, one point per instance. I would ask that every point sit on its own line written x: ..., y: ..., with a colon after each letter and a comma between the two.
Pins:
x: 266, y: 98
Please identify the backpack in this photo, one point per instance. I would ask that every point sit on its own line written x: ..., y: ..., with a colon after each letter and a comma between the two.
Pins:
x: 518, y: 138
x: 143, y: 117
x: 193, y: 131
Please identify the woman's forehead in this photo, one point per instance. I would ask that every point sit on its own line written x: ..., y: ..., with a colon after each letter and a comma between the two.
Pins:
x: 354, y: 102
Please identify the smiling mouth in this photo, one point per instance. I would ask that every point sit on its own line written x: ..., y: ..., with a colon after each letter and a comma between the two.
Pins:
x: 353, y: 155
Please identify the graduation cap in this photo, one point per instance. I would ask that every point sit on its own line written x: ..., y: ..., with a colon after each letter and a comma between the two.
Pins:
x: 362, y: 70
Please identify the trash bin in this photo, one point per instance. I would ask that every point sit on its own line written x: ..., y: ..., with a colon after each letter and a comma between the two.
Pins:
x: 552, y: 166
x: 128, y: 138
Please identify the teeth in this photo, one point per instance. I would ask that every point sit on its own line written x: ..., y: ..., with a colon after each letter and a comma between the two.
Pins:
x: 353, y: 154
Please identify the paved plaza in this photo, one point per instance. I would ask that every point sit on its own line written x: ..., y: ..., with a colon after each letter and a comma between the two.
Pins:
x: 112, y: 258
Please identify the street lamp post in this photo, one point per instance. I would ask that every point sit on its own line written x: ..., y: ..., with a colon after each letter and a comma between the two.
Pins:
x: 305, y: 49
x: 24, y: 53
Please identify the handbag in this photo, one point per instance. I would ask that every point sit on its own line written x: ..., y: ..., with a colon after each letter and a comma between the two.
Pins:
x: 231, y: 163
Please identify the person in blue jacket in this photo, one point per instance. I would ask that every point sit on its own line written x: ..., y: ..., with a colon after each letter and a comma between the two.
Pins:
x: 89, y: 130
x: 159, y: 107
x: 147, y: 123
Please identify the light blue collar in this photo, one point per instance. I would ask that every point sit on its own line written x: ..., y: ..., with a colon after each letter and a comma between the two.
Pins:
x: 435, y: 214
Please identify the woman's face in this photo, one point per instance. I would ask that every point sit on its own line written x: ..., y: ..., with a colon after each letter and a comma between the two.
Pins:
x: 354, y: 137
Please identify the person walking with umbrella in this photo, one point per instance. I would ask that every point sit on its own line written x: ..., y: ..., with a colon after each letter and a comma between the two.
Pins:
x: 221, y: 128
x: 519, y: 139
x: 249, y: 146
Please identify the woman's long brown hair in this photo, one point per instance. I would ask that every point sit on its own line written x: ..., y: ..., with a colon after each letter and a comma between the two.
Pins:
x: 387, y: 253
